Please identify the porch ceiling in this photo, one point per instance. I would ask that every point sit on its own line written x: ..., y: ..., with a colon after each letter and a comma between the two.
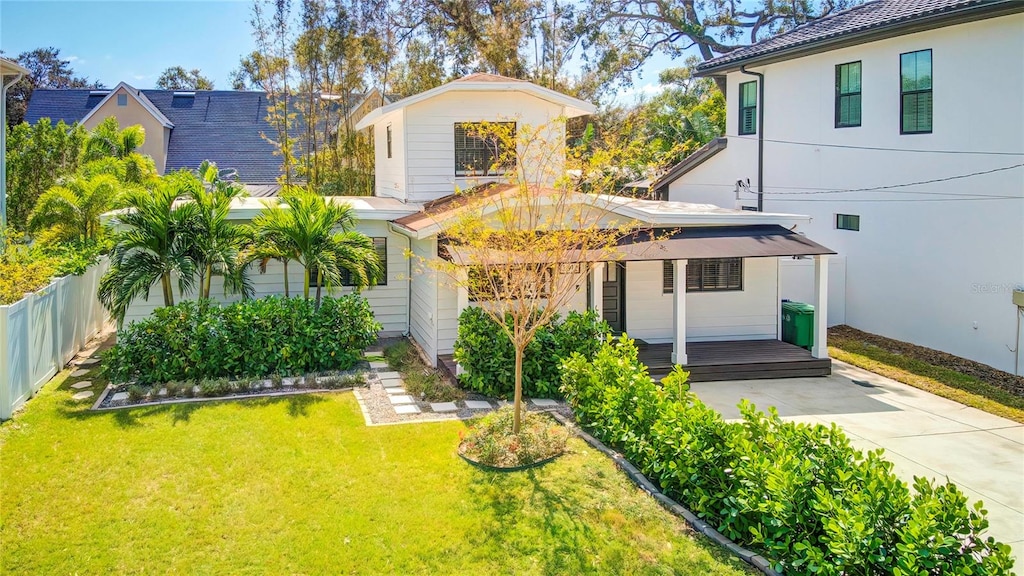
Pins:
x: 761, y: 241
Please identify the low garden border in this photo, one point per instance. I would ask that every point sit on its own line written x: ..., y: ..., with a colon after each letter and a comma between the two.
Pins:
x: 487, y: 468
x: 633, y: 473
x: 270, y: 394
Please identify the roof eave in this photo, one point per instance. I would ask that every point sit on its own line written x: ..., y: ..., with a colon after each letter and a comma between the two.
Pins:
x: 931, y: 22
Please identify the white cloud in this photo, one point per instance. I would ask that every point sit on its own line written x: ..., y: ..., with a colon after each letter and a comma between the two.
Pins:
x: 72, y: 58
x: 635, y: 93
x: 140, y: 76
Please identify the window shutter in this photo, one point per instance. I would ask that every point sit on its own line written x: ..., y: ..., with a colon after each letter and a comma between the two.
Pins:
x: 748, y: 123
x: 667, y: 276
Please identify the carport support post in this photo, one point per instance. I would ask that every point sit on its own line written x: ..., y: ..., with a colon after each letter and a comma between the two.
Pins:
x: 820, y: 348
x: 679, y: 312
x: 597, y: 288
x: 461, y: 299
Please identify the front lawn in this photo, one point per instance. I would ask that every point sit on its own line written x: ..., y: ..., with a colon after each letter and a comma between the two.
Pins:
x: 300, y: 485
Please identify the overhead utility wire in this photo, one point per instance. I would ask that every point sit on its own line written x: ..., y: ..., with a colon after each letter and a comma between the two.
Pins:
x: 878, y: 148
x: 918, y: 183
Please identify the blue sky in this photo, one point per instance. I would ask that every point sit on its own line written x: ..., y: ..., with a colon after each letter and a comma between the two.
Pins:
x: 135, y: 40
x: 132, y: 40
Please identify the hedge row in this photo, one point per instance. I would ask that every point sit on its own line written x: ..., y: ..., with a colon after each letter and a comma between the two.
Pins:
x: 485, y: 352
x: 252, y: 338
x: 799, y: 494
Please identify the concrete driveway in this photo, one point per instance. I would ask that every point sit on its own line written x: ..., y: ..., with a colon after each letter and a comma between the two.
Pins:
x: 922, y: 434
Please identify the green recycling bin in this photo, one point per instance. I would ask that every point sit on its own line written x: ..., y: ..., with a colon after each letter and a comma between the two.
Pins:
x: 798, y: 324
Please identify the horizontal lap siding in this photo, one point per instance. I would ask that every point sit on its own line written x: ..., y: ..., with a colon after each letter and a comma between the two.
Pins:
x: 747, y: 314
x: 430, y: 135
x: 424, y: 297
x: 389, y: 173
x: 389, y: 302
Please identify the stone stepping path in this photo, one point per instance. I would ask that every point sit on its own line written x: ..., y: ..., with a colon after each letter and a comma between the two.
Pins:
x: 87, y: 362
x: 544, y: 402
x: 389, y: 375
x: 119, y: 396
x: 83, y: 395
x: 443, y: 406
x: 478, y: 405
x: 395, y: 390
x: 407, y: 409
x: 372, y: 353
x: 79, y: 373
x: 377, y: 365
x: 401, y: 399
x: 82, y: 384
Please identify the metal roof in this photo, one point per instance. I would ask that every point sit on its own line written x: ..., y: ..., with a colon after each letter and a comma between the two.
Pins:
x: 873, y: 20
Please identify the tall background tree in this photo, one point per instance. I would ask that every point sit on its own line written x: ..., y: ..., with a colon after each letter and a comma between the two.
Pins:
x: 46, y: 70
x: 619, y: 36
x: 178, y: 78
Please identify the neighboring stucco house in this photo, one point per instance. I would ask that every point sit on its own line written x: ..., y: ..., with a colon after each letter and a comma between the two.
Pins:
x: 898, y: 126
x: 707, y: 296
x: 183, y: 128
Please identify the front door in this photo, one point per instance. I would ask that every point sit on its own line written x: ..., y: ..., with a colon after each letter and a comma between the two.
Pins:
x: 614, y: 292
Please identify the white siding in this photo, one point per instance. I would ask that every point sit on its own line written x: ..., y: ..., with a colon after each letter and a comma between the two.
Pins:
x: 430, y: 129
x: 389, y: 173
x: 923, y: 268
x: 389, y: 302
x: 422, y: 325
x: 797, y: 283
x: 748, y: 314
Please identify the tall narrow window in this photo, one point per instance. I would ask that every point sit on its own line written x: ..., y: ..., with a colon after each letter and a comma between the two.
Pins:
x: 848, y: 95
x: 122, y: 99
x: 916, y: 92
x: 748, y: 108
x: 389, y: 140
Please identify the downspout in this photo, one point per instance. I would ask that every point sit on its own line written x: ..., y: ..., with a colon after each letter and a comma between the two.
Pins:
x: 760, y: 136
x: 3, y: 163
x: 408, y: 258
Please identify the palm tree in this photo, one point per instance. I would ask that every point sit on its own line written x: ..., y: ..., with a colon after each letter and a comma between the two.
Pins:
x: 302, y: 226
x: 108, y: 140
x: 217, y: 242
x: 72, y: 210
x: 152, y: 245
x: 263, y: 248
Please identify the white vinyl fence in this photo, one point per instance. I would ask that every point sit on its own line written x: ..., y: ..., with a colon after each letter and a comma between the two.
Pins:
x: 796, y: 278
x: 43, y: 331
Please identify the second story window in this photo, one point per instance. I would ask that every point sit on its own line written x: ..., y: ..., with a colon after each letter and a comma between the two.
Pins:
x: 478, y: 153
x: 748, y: 108
x: 122, y: 99
x: 389, y: 140
x: 916, y: 92
x: 848, y: 95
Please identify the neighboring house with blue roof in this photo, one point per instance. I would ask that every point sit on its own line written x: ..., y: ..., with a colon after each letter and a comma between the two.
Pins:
x: 183, y: 128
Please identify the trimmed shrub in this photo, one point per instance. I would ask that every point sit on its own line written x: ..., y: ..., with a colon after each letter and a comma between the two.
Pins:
x: 799, y: 494
x: 486, y: 354
x: 253, y: 338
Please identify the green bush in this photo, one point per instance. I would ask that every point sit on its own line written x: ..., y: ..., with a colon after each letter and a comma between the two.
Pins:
x: 253, y: 338
x: 799, y: 494
x: 486, y: 354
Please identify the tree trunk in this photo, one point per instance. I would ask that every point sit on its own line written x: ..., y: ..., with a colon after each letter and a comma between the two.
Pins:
x: 517, y: 404
x: 305, y: 285
x: 165, y: 282
x: 286, y: 294
x: 208, y: 274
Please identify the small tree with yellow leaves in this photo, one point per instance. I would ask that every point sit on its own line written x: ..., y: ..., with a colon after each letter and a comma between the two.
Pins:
x: 522, y: 244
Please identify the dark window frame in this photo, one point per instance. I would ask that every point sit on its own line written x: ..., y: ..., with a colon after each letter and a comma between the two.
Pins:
x: 489, y: 151
x: 744, y: 108
x: 696, y: 269
x: 917, y: 93
x: 850, y: 96
x: 389, y: 140
x: 848, y: 222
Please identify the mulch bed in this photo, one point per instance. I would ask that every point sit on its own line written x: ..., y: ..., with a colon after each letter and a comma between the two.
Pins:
x: 985, y: 373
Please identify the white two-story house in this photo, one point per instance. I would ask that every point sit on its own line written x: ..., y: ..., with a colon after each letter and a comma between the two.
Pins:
x: 898, y: 126
x: 701, y: 291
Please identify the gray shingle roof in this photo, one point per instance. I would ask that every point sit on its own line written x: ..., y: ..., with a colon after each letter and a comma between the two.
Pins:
x: 223, y: 126
x: 872, y: 16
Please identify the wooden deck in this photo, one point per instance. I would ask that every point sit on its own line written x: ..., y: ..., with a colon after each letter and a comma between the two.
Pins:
x: 736, y: 360
x: 712, y: 361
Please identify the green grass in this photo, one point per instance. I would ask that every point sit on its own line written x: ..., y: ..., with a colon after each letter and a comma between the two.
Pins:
x: 300, y: 485
x: 938, y: 380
